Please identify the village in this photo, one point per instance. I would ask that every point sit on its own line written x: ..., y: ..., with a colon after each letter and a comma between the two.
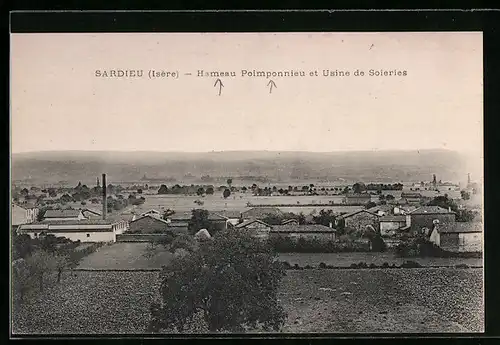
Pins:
x: 371, y: 215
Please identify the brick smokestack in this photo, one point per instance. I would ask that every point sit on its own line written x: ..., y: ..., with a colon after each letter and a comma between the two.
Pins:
x: 104, y: 197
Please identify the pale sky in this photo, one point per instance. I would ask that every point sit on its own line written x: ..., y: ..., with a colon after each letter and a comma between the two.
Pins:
x: 57, y: 103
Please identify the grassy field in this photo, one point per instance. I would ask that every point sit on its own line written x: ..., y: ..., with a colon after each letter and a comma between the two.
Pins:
x: 346, y: 259
x: 126, y: 256
x: 238, y: 202
x: 336, y: 301
x: 135, y: 256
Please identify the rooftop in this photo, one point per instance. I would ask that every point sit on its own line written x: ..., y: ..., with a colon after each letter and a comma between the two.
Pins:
x: 392, y: 218
x: 61, y: 213
x: 431, y: 210
x: 460, y: 227
x: 262, y: 212
x: 245, y: 223
x: 347, y: 215
x: 150, y: 216
x: 358, y: 195
x: 306, y: 228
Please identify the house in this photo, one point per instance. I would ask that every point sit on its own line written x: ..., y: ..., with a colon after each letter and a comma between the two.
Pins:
x: 356, y: 199
x: 87, y: 230
x: 148, y: 223
x: 256, y: 227
x: 426, y: 217
x: 359, y: 221
x: 389, y: 224
x: 458, y: 236
x: 91, y: 214
x: 382, y: 210
x: 291, y: 222
x: 231, y: 217
x: 23, y: 215
x: 153, y: 213
x: 261, y: 212
x: 409, y: 197
x: 307, y: 231
x: 63, y: 215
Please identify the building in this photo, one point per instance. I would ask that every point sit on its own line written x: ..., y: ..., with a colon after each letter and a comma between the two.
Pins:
x: 23, y: 215
x: 147, y: 224
x: 91, y: 214
x: 426, y: 217
x: 306, y: 231
x: 153, y: 213
x: 458, y: 236
x: 231, y: 217
x: 89, y: 230
x: 356, y: 199
x: 291, y: 222
x: 57, y: 215
x: 390, y: 224
x: 359, y: 221
x: 256, y: 228
x: 411, y: 198
x: 261, y: 212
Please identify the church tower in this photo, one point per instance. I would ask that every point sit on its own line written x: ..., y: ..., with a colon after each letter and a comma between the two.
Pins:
x: 98, y: 184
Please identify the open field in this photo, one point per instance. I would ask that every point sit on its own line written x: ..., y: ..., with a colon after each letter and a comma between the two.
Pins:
x: 238, y: 202
x: 336, y: 301
x: 346, y: 259
x: 126, y: 256
x: 134, y: 256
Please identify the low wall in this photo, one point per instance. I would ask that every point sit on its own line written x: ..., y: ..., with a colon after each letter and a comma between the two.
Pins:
x: 139, y: 237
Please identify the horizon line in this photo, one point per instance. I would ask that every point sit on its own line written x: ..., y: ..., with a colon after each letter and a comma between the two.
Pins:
x: 229, y: 151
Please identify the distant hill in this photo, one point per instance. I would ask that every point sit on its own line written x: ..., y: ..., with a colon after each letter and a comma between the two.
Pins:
x: 369, y: 166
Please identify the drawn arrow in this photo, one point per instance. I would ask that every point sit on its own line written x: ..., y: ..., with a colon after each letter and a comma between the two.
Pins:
x: 220, y: 85
x: 271, y: 84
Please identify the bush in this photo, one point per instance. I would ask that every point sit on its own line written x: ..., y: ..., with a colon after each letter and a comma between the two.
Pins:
x: 461, y: 266
x: 372, y: 265
x: 322, y: 265
x: 385, y: 265
x: 308, y: 267
x: 286, y: 265
x: 231, y: 284
x: 411, y: 264
x: 353, y: 266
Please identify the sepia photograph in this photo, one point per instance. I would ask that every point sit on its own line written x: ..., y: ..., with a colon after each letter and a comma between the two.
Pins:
x: 246, y: 183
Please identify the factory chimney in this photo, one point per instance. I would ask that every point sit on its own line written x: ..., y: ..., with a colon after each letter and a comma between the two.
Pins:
x: 104, y: 197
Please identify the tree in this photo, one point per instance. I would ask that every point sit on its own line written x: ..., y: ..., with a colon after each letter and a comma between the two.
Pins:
x: 445, y: 202
x: 199, y: 220
x: 465, y: 195
x: 370, y: 204
x: 231, y: 283
x: 389, y: 197
x: 226, y: 193
x: 200, y: 191
x: 358, y: 187
x: 163, y: 189
x: 40, y: 264
x: 139, y: 191
x: 168, y: 212
x: 229, y: 182
x: 22, y: 246
x: 325, y: 217
x: 210, y: 191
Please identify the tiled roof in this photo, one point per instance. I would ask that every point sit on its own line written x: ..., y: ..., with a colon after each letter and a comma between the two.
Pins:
x: 61, y: 213
x: 79, y: 222
x: 360, y: 195
x: 245, y: 223
x: 460, y: 227
x: 151, y: 217
x: 262, y: 212
x: 228, y: 214
x: 306, y: 228
x: 347, y: 215
x: 393, y: 219
x: 431, y: 210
